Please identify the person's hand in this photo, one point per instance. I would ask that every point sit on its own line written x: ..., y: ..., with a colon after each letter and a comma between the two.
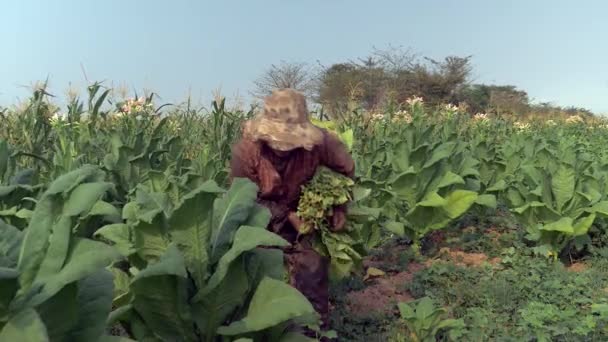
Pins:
x: 338, y: 219
x: 295, y: 221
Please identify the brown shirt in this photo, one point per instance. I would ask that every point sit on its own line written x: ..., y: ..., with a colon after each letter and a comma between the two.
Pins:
x: 280, y: 179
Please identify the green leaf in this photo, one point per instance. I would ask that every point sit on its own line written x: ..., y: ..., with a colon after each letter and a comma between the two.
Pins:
x: 394, y: 227
x: 274, y: 302
x: 8, y: 288
x: 94, y: 305
x: 104, y: 209
x: 46, y: 221
x: 10, y: 243
x: 600, y: 208
x: 25, y: 326
x: 190, y: 228
x: 432, y: 200
x: 84, y: 197
x: 458, y: 202
x: 450, y: 178
x: 486, y: 201
x: 160, y: 297
x: 246, y: 238
x: 85, y: 258
x: 229, y: 212
x: 151, y: 239
x: 581, y: 226
x: 425, y: 308
x: 121, y: 294
x: 216, y: 306
x: 563, y: 225
x: 443, y: 151
x: 404, y: 186
x: 59, y: 326
x: 562, y: 184
x: 119, y: 235
x: 406, y: 311
x: 501, y: 185
x: 67, y: 182
x: 258, y: 217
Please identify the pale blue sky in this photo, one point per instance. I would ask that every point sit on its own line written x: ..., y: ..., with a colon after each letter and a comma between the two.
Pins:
x: 557, y: 50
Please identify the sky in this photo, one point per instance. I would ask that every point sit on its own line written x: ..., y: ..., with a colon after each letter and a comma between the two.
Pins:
x: 556, y: 50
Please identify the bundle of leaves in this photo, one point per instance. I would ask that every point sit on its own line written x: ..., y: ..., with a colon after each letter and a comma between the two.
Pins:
x: 326, y: 191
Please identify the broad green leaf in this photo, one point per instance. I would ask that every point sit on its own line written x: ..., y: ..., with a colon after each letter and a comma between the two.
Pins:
x: 450, y: 178
x: 406, y: 311
x: 106, y: 210
x: 394, y: 227
x: 229, y: 212
x: 404, y: 186
x: 85, y: 258
x: 160, y: 297
x: 274, y: 302
x: 458, y: 202
x: 151, y: 239
x: 265, y: 262
x: 258, y: 217
x: 500, y: 185
x: 245, y: 239
x: 582, y: 225
x: 486, y: 201
x: 190, y: 228
x: 563, y: 225
x: 8, y: 288
x: 121, y: 294
x: 84, y: 197
x: 432, y: 200
x: 57, y: 250
x: 216, y: 306
x: 425, y: 308
x: 562, y: 184
x: 119, y: 235
x: 25, y: 326
x: 44, y: 221
x: 10, y: 243
x: 94, y: 305
x: 67, y: 182
x: 443, y: 151
x: 600, y: 208
x: 59, y: 325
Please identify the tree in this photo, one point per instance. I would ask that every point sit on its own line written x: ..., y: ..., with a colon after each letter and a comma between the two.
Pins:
x: 298, y: 76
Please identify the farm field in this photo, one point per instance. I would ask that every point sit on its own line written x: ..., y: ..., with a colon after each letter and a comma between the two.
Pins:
x: 118, y: 223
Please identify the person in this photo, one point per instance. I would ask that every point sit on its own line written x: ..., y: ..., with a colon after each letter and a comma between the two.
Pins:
x: 280, y: 150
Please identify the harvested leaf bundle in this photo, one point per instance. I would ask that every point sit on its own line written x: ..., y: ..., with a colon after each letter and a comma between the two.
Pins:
x: 320, y: 196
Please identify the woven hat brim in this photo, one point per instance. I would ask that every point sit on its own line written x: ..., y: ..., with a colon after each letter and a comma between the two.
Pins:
x: 284, y: 136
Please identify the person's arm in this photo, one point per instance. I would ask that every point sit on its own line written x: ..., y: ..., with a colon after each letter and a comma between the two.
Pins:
x: 335, y: 156
x: 242, y: 162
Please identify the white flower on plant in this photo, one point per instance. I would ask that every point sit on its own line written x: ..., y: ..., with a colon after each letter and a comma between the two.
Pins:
x: 481, y: 117
x: 574, y: 119
x: 450, y: 107
x: 551, y: 123
x: 377, y: 116
x: 414, y: 100
x: 402, y: 116
x: 521, y: 125
x: 56, y: 118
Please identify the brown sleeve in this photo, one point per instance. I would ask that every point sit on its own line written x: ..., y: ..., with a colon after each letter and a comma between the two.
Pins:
x: 244, y: 159
x: 335, y: 156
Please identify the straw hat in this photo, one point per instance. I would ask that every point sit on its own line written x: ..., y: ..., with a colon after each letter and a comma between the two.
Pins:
x: 284, y: 123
